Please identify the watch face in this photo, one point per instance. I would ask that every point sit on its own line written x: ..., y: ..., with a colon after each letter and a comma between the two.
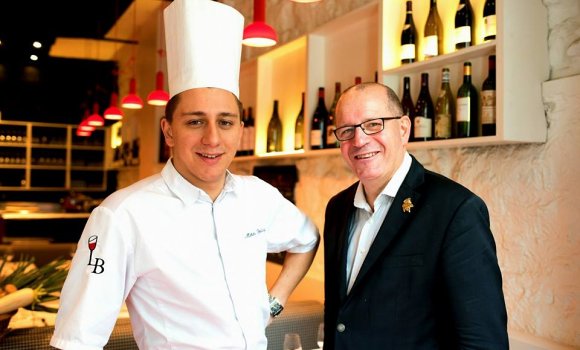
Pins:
x: 275, y: 307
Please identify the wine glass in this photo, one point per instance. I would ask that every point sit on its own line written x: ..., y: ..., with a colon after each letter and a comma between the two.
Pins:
x: 320, y: 335
x: 292, y: 341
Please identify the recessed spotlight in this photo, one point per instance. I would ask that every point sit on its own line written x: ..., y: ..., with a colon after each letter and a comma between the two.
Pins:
x: 37, y: 44
x: 33, y: 58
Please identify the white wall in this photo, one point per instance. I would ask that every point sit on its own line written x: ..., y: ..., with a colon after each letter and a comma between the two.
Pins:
x: 531, y: 190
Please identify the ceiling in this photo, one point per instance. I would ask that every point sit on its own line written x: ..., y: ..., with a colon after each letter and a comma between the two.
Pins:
x: 24, y: 21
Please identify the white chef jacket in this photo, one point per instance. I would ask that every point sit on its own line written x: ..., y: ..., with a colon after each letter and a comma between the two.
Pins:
x: 192, y: 272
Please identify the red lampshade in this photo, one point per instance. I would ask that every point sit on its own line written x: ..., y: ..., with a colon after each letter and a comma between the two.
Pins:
x: 84, y: 126
x: 258, y: 33
x: 95, y: 119
x: 114, y: 112
x: 158, y: 97
x: 132, y: 100
x: 83, y: 133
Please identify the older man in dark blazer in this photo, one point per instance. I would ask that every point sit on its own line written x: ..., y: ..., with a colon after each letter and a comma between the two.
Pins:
x: 410, y: 260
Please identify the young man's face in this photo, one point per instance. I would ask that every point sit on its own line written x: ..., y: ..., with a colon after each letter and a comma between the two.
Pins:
x: 204, y: 134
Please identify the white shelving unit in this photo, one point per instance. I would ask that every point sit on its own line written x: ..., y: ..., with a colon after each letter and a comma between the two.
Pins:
x: 50, y: 158
x: 521, y: 65
x: 367, y: 40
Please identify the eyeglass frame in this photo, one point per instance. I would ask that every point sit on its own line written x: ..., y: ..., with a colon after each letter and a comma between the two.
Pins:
x: 360, y: 125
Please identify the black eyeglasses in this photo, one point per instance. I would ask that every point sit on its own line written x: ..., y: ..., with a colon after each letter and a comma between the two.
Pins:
x: 369, y: 127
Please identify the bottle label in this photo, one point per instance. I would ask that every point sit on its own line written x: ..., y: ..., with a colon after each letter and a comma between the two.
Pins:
x: 315, y: 138
x: 431, y: 48
x: 463, y: 35
x: 298, y: 141
x: 443, y: 126
x: 408, y: 51
x: 422, y: 127
x: 488, y: 107
x: 463, y: 109
x: 330, y: 138
x: 489, y: 26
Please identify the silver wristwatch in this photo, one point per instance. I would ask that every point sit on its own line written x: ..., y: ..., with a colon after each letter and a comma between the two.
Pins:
x: 275, y: 306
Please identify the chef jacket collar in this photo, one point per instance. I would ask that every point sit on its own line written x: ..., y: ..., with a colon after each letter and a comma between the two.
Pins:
x: 186, y: 191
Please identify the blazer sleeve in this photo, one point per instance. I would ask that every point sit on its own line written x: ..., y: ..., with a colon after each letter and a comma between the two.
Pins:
x: 473, y: 279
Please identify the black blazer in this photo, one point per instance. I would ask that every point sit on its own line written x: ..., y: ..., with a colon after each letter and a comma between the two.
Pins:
x: 430, y: 279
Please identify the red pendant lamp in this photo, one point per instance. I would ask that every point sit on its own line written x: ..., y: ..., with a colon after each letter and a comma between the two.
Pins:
x: 114, y: 112
x: 158, y: 97
x: 84, y: 126
x: 132, y: 100
x: 95, y: 119
x: 258, y: 33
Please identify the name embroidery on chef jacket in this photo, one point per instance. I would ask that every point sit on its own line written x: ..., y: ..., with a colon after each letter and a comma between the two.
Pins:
x: 257, y: 232
x: 98, y: 264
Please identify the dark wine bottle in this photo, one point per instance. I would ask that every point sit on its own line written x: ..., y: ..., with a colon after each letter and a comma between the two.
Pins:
x: 444, y: 107
x: 489, y: 21
x: 331, y: 141
x: 408, y: 106
x: 433, y: 45
x: 242, y: 149
x: 424, y: 112
x: 488, y: 108
x: 464, y: 33
x: 274, y: 139
x: 409, y: 37
x: 467, y: 118
x: 299, y: 128
x: 251, y: 132
x: 318, y: 127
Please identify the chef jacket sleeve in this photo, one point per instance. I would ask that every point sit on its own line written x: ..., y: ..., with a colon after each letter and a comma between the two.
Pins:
x: 98, y: 282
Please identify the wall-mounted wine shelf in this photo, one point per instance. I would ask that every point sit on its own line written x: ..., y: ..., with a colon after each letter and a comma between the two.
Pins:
x: 45, y: 157
x: 367, y: 40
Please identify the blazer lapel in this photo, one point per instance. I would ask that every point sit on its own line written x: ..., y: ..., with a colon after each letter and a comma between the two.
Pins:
x: 397, y: 217
x: 343, y: 229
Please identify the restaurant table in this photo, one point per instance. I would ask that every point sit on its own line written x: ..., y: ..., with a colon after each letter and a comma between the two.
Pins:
x: 302, y: 317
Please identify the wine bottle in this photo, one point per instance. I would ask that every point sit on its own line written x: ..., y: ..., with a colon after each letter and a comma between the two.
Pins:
x: 299, y: 128
x: 488, y: 109
x: 489, y: 22
x: 467, y: 118
x: 444, y: 108
x: 424, y: 112
x: 331, y: 141
x: 464, y: 25
x: 251, y: 131
x: 408, y: 106
x: 242, y: 149
x: 274, y: 139
x: 318, y: 127
x: 409, y: 37
x: 433, y: 33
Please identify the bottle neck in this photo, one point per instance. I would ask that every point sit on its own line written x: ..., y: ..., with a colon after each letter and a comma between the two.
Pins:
x: 466, y: 74
x: 445, y: 78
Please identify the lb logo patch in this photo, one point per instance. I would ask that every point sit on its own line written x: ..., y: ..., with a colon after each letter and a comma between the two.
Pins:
x: 98, y: 264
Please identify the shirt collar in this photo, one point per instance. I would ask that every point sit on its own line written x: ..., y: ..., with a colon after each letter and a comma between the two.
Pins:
x: 390, y: 189
x: 186, y: 191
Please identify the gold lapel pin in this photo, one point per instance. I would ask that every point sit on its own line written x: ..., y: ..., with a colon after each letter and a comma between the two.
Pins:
x: 407, y: 205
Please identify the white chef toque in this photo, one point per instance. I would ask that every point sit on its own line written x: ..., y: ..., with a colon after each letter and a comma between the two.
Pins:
x: 204, y: 45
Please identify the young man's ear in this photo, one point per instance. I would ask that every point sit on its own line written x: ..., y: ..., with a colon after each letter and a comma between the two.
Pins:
x: 167, y: 131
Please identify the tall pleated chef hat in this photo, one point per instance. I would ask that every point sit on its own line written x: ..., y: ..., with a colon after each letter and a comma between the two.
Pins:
x: 204, y: 45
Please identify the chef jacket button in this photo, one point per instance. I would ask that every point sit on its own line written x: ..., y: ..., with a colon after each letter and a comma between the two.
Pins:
x: 340, y: 327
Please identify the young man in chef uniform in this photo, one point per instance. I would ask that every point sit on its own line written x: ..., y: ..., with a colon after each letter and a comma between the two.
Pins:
x: 186, y: 248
